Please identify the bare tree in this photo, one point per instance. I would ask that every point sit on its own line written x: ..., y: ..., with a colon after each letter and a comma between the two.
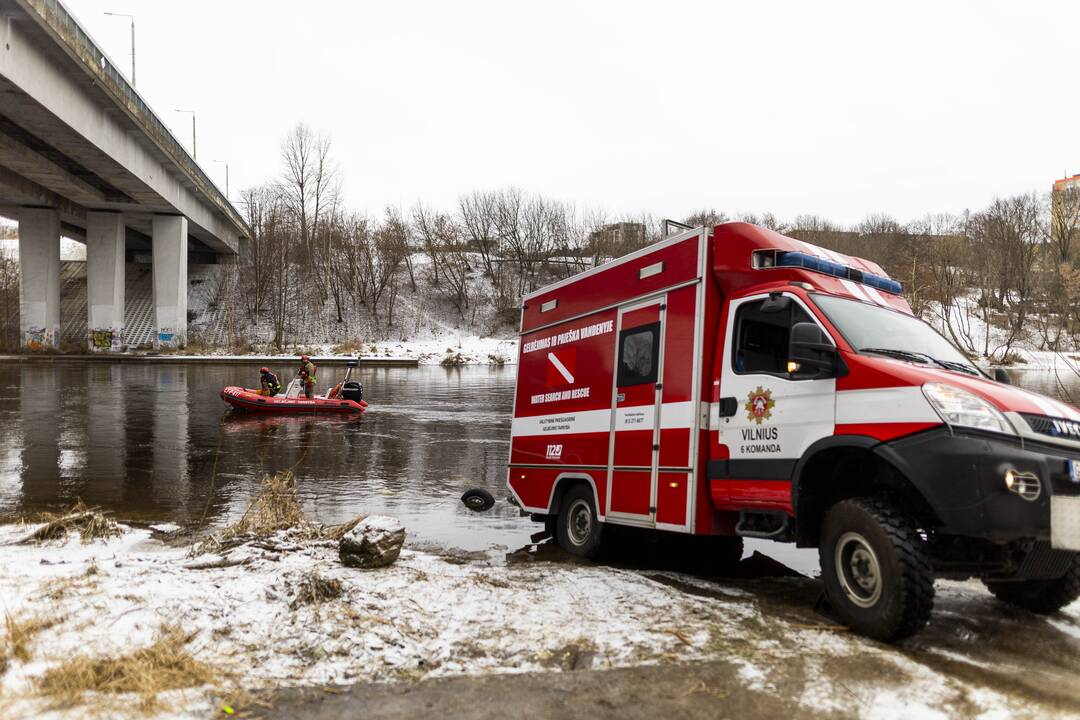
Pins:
x: 401, y: 232
x: 913, y: 258
x: 765, y: 220
x: 707, y: 218
x: 10, y: 335
x: 277, y: 239
x: 456, y: 267
x: 391, y: 247
x: 949, y: 287
x: 477, y: 212
x: 310, y: 188
x: 1005, y: 243
x: 424, y: 222
x: 1064, y: 220
x: 256, y: 256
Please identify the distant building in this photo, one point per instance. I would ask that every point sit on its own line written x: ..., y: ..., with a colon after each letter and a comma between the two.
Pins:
x: 1065, y: 215
x: 617, y: 239
x: 1067, y: 183
x: 1065, y: 196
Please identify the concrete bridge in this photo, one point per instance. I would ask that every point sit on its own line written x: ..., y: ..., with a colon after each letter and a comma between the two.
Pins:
x: 83, y: 156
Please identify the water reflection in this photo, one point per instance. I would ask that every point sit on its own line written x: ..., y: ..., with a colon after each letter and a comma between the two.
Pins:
x: 39, y: 407
x: 153, y: 442
x: 106, y: 433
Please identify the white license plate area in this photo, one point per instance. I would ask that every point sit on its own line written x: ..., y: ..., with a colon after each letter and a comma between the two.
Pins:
x: 1065, y: 522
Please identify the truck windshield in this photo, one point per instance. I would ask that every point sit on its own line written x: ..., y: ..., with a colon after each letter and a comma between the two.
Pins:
x: 880, y: 331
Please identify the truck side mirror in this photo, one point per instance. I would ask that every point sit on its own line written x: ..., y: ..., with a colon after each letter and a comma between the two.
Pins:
x: 1001, y: 375
x: 809, y: 346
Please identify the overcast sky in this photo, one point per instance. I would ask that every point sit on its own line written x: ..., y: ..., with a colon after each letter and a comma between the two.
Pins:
x: 834, y: 108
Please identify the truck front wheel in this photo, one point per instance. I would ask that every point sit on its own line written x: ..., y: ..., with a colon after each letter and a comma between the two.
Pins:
x: 875, y: 568
x: 578, y: 528
x: 1040, y: 596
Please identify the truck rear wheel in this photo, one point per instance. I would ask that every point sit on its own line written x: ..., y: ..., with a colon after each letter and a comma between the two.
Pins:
x: 1040, y: 596
x: 875, y: 568
x: 578, y: 529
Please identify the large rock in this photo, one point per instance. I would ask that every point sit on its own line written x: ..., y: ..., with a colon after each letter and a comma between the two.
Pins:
x: 375, y: 542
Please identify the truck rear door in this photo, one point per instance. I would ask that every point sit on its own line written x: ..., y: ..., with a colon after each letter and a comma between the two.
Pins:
x: 635, y: 420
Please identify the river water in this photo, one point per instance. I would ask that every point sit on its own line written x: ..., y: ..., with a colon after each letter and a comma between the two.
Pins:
x: 153, y: 443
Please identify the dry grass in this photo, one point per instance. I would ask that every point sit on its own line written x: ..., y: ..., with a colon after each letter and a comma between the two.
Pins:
x: 19, y: 633
x: 92, y: 523
x: 276, y: 507
x: 489, y: 580
x: 242, y: 347
x: 314, y: 589
x: 165, y: 665
x: 59, y: 588
x: 453, y: 359
x: 198, y: 347
x: 17, y: 637
x: 348, y: 347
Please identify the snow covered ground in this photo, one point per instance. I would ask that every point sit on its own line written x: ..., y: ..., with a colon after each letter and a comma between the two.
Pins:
x: 978, y: 339
x: 457, y: 349
x: 426, y: 324
x: 431, y: 614
x: 449, y: 350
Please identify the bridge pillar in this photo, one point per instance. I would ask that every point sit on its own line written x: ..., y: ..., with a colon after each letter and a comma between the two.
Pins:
x: 105, y: 246
x: 170, y: 281
x: 39, y: 278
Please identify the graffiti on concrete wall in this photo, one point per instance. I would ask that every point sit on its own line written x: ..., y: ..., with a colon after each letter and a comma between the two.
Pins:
x: 41, y: 338
x: 167, y: 337
x: 109, y: 340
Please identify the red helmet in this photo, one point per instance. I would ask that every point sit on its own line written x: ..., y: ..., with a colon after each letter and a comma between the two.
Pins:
x: 304, y: 358
x: 264, y: 370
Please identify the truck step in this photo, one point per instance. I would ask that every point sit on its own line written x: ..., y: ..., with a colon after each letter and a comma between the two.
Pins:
x: 766, y: 524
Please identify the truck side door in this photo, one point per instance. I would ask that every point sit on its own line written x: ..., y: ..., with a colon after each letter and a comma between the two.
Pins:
x: 635, y: 421
x: 768, y: 415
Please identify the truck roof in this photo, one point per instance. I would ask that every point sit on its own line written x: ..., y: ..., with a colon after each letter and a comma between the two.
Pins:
x: 746, y: 255
x: 743, y: 256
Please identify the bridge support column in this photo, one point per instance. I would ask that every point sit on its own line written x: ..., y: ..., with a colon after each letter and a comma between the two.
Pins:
x: 170, y: 281
x: 105, y: 247
x: 39, y: 278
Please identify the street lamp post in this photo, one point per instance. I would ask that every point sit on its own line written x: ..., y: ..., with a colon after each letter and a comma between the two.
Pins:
x: 132, y: 18
x: 194, y: 147
x: 226, y: 164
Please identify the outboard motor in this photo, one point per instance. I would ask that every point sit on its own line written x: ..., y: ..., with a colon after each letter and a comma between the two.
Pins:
x: 352, y: 389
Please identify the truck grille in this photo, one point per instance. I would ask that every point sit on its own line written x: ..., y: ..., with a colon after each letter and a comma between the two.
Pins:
x: 1054, y: 427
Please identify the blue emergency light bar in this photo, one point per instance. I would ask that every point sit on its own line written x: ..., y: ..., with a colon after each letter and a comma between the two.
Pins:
x: 828, y: 267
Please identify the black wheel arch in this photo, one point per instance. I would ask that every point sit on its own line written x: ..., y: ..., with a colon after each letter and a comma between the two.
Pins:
x: 567, y: 480
x: 845, y: 466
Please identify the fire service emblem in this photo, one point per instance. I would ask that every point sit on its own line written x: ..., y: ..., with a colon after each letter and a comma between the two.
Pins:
x: 759, y: 405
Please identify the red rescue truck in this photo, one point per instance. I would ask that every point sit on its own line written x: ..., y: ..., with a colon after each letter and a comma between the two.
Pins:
x: 734, y: 382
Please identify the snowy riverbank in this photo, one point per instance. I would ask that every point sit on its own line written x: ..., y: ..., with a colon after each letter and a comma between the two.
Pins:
x: 468, y: 350
x: 253, y: 626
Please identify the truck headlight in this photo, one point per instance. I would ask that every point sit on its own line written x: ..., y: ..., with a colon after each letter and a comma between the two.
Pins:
x: 964, y: 409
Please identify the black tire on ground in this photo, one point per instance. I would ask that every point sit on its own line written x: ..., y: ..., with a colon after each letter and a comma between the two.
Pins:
x: 875, y: 568
x: 578, y: 528
x: 478, y: 499
x: 1040, y: 596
